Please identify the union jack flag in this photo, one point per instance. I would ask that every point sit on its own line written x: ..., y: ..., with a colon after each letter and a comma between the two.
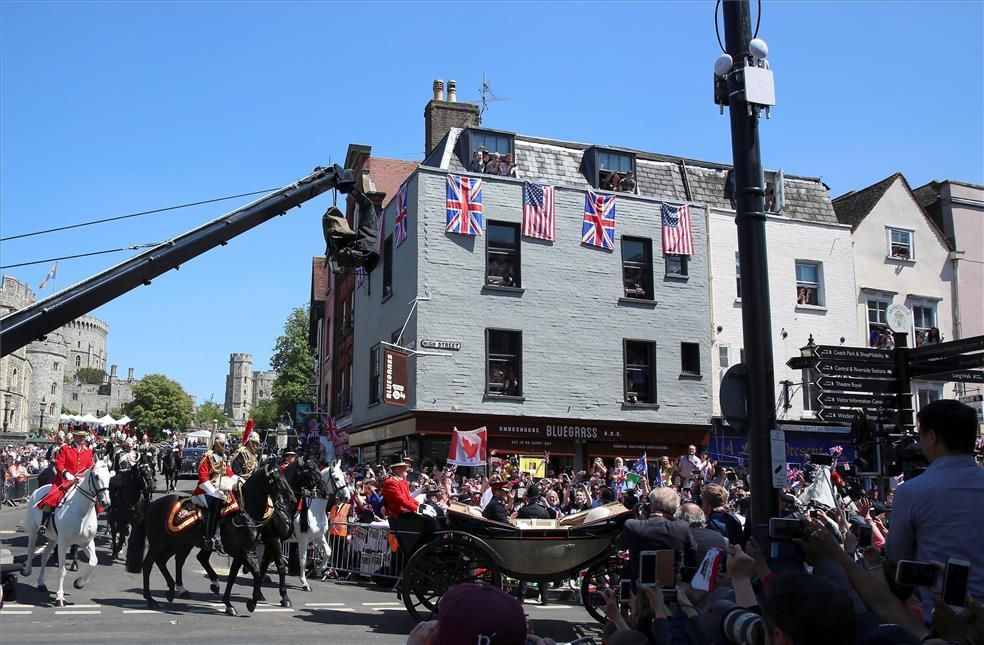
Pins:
x: 400, y: 223
x: 599, y: 221
x: 465, y: 214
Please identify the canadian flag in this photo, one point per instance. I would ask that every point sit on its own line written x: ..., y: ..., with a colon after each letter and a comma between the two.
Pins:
x: 468, y: 447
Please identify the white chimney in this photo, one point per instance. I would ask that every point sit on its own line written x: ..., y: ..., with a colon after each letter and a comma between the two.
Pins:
x: 452, y: 92
x: 438, y: 90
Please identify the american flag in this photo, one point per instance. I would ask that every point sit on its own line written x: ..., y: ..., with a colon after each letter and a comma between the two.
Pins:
x: 465, y: 214
x: 599, y: 221
x: 639, y: 466
x: 538, y: 211
x: 677, y: 238
x: 400, y: 229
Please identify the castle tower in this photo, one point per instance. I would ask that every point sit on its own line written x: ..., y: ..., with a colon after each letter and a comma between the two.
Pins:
x: 47, y: 358
x: 15, y: 370
x: 239, y: 387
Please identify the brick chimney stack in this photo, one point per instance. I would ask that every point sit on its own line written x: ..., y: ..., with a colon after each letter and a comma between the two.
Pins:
x: 129, y: 374
x: 440, y: 115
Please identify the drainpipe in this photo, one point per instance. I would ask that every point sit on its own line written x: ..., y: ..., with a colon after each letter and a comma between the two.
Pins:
x: 955, y: 257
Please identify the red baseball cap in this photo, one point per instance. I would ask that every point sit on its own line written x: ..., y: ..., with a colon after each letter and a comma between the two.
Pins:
x: 473, y: 613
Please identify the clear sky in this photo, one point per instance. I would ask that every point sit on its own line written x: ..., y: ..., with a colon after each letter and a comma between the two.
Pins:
x: 111, y: 108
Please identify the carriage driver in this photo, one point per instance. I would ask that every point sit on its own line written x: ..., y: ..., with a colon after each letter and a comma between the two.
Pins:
x: 214, y: 475
x: 72, y: 460
x: 128, y: 458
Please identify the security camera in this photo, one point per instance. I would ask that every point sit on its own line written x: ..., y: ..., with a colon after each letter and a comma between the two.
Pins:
x: 723, y: 64
x: 758, y: 48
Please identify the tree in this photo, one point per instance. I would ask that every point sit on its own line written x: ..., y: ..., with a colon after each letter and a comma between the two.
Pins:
x: 159, y: 403
x: 265, y: 414
x: 293, y: 361
x: 211, y: 412
x: 91, y: 375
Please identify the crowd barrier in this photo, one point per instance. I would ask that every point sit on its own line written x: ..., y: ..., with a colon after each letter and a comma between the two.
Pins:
x: 357, y: 551
x: 17, y: 491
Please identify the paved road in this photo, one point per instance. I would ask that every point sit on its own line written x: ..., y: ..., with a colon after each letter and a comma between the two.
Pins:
x: 111, y: 608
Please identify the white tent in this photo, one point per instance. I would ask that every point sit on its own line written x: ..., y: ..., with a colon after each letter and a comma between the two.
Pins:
x: 124, y: 420
x: 88, y: 418
x: 198, y: 434
x: 67, y: 417
x: 107, y: 420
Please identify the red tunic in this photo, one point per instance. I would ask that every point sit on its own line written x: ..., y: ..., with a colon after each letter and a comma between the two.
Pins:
x: 70, y: 459
x: 205, y: 473
x: 396, y: 497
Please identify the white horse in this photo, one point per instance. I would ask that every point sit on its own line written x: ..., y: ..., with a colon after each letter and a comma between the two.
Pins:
x: 73, y: 523
x: 318, y: 521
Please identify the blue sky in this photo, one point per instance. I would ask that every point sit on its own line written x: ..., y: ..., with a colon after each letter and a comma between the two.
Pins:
x: 111, y: 108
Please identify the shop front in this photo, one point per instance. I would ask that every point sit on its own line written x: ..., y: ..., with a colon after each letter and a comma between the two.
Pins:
x: 570, y: 443
x: 802, y: 440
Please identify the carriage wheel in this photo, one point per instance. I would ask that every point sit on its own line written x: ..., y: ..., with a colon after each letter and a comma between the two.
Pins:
x: 439, y: 565
x: 599, y: 577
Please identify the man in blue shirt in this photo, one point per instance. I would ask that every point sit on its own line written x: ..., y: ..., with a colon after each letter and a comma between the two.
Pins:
x: 939, y: 515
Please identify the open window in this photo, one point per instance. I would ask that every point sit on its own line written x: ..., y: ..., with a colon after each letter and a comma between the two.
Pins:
x: 484, y: 151
x: 900, y: 245
x: 504, y: 359
x: 640, y: 371
x: 502, y: 267
x: 809, y: 283
x: 613, y: 170
x: 637, y: 267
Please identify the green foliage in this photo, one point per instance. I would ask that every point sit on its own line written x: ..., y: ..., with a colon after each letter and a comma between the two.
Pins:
x: 293, y: 361
x: 117, y: 412
x: 91, y: 375
x: 265, y: 414
x: 159, y: 403
x: 211, y: 412
x: 65, y: 410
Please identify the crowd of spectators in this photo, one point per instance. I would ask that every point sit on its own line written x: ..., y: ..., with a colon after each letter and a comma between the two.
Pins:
x: 492, y: 163
x: 17, y: 463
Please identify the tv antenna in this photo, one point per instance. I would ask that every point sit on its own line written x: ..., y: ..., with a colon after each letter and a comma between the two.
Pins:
x: 487, y: 96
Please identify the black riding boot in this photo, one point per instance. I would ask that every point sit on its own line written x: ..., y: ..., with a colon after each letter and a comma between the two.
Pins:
x: 211, y: 511
x: 45, y: 518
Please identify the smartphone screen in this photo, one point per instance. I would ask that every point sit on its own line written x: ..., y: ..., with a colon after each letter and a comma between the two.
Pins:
x: 915, y: 574
x: 864, y: 536
x: 625, y: 590
x: 785, y: 529
x: 647, y: 568
x: 955, y: 578
x: 666, y: 568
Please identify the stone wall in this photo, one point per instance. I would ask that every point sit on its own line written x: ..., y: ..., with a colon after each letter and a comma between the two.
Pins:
x: 48, y: 362
x: 15, y: 371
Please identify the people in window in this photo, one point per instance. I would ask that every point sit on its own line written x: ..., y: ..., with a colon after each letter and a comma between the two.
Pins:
x: 500, y: 272
x: 617, y: 183
x: 506, y: 167
x: 627, y: 183
x: 802, y: 296
x: 492, y: 167
x: 613, y: 181
x: 478, y: 161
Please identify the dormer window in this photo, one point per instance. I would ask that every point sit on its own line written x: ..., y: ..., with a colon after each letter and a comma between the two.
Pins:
x: 610, y: 170
x: 488, y: 152
x: 900, y: 245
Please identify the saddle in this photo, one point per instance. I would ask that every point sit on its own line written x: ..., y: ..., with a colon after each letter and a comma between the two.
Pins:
x: 184, y: 513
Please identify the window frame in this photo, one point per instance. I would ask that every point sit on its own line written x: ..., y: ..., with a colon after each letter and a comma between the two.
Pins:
x: 932, y: 388
x: 489, y: 357
x: 686, y: 347
x: 591, y: 167
x: 820, y: 296
x: 923, y: 303
x: 883, y: 300
x: 724, y: 352
x: 889, y: 230
x: 387, y: 268
x: 375, y: 389
x: 646, y: 267
x: 491, y: 249
x: 684, y: 266
x: 650, y: 368
x: 470, y: 144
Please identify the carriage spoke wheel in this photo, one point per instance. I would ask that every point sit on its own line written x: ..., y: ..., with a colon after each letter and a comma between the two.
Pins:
x: 438, y: 566
x: 599, y: 577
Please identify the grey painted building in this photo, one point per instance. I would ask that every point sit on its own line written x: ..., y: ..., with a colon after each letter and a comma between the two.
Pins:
x: 588, y: 352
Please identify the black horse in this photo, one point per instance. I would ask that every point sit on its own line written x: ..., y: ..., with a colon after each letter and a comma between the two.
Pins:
x: 306, y: 482
x: 171, y: 467
x: 130, y: 492
x: 239, y: 535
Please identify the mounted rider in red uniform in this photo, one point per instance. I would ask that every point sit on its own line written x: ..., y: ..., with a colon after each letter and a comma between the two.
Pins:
x: 209, y: 494
x: 71, y: 461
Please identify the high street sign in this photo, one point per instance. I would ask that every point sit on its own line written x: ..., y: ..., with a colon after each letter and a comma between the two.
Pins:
x: 947, y: 364
x: 847, y: 400
x: 858, y: 369
x: 828, y: 384
x: 856, y: 354
x: 945, y: 350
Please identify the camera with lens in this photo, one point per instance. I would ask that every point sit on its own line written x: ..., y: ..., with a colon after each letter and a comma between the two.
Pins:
x: 727, y: 622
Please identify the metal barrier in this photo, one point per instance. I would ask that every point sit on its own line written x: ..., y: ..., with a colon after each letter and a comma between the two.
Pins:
x: 19, y: 490
x: 357, y: 551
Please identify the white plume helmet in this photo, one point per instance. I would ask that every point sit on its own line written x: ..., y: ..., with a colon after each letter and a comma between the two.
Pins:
x: 253, y: 437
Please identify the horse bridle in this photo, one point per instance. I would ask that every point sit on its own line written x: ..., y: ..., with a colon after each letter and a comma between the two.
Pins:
x: 92, y: 496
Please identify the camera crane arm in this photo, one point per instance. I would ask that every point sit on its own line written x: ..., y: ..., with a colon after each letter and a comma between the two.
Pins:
x: 31, y: 323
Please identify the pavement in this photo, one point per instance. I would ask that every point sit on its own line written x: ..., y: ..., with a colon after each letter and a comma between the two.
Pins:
x: 111, y: 608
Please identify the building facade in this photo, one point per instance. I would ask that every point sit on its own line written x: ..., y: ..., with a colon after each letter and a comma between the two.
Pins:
x: 245, y: 388
x: 48, y: 364
x: 556, y: 347
x: 99, y: 399
x: 15, y: 370
x: 900, y: 257
x: 811, y: 284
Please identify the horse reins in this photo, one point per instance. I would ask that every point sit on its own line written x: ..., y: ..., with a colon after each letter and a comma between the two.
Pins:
x: 91, y: 496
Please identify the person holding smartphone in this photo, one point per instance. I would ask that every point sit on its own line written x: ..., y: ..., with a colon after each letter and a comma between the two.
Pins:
x: 938, y: 516
x: 661, y: 530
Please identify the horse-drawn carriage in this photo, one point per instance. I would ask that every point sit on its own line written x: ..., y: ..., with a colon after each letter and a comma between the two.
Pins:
x: 471, y: 548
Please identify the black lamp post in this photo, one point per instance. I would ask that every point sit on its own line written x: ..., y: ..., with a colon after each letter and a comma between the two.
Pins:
x: 809, y: 374
x: 43, y: 404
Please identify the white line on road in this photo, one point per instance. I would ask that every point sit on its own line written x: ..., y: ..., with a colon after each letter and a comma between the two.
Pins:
x: 349, y: 609
x: 324, y: 604
x: 382, y: 604
x: 272, y: 609
x: 140, y: 611
x: 16, y: 612
x: 573, y: 607
x: 84, y: 612
x: 84, y: 606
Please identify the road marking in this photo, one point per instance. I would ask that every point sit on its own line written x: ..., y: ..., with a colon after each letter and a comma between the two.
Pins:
x: 8, y: 532
x: 381, y: 604
x: 140, y: 611
x: 16, y: 612
x: 85, y: 612
x: 558, y: 607
x: 334, y: 608
x: 84, y: 606
x: 272, y: 609
x: 324, y: 604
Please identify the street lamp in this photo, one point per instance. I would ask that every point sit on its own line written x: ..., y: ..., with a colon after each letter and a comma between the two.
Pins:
x: 43, y: 404
x: 809, y: 374
x: 6, y: 411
